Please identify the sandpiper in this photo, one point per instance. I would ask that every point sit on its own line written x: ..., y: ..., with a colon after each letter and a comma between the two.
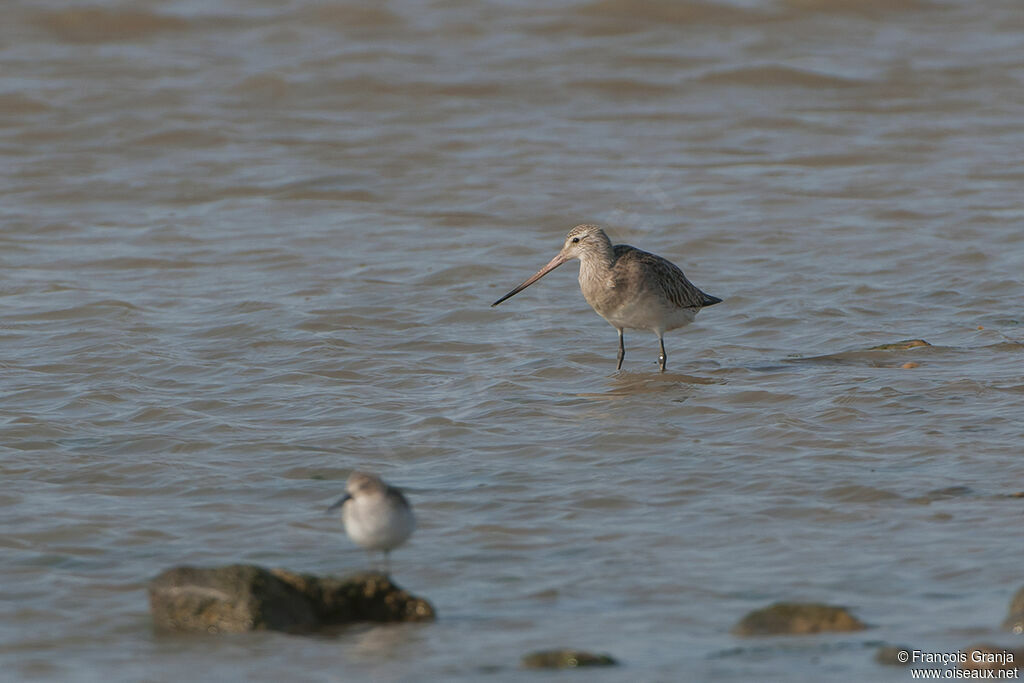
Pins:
x: 376, y: 516
x: 627, y: 287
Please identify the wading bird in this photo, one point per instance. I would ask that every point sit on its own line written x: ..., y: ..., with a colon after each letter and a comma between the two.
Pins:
x: 629, y: 288
x: 376, y: 516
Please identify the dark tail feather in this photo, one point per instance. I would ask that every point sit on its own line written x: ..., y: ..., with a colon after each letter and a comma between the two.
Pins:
x: 709, y: 300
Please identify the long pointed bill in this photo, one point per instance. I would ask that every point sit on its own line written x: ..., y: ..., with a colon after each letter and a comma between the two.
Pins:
x: 559, y: 259
x: 347, y: 497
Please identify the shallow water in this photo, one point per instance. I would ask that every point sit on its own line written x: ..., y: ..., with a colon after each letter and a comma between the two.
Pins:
x: 248, y: 247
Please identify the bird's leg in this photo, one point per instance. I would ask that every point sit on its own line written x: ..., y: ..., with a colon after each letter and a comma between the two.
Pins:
x: 387, y: 564
x: 662, y: 358
x: 622, y: 351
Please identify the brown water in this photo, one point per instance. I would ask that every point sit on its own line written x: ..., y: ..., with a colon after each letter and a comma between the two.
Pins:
x: 249, y: 246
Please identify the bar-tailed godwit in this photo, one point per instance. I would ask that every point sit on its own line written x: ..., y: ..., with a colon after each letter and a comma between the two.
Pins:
x: 629, y: 288
x: 376, y: 516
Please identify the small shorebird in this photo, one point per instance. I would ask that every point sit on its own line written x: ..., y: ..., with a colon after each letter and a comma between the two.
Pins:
x: 376, y: 516
x: 627, y: 287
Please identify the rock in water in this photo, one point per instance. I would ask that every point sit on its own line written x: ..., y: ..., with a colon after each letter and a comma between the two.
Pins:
x: 794, y: 618
x: 900, y: 345
x: 992, y: 657
x: 1015, y: 619
x: 893, y: 655
x: 369, y: 596
x: 241, y: 598
x: 565, y: 659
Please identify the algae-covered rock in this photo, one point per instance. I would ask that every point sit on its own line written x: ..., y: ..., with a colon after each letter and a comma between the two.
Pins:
x: 1015, y: 618
x: 369, y: 596
x: 228, y: 599
x: 565, y: 659
x: 793, y: 618
x: 900, y: 345
x: 241, y: 598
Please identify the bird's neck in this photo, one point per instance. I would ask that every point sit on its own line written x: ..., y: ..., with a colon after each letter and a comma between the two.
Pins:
x: 597, y: 262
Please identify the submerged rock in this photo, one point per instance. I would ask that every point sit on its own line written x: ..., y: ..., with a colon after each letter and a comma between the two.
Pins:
x: 992, y: 657
x: 893, y: 655
x: 241, y: 598
x: 1015, y: 619
x: 900, y: 345
x: 795, y: 618
x: 565, y: 659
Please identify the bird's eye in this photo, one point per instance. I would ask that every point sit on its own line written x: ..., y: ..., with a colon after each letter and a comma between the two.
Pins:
x: 575, y: 240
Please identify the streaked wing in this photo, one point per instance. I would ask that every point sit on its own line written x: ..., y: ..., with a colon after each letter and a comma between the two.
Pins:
x: 659, y: 275
x: 397, y: 494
